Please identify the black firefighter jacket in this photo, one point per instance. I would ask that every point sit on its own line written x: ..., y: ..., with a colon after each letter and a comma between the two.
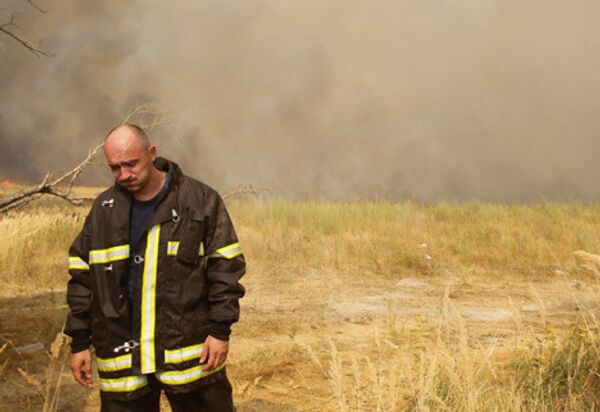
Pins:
x: 191, y: 263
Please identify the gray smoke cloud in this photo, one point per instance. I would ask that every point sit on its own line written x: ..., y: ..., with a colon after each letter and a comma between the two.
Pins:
x: 425, y: 100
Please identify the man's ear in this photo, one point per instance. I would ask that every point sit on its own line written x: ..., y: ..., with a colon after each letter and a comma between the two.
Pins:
x: 152, y: 152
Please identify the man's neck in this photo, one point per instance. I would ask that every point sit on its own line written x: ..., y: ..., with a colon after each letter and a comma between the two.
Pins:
x: 152, y: 188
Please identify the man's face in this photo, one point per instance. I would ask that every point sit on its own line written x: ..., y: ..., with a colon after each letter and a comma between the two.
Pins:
x: 129, y: 161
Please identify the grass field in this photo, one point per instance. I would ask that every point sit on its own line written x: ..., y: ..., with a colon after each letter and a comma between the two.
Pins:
x: 363, y: 306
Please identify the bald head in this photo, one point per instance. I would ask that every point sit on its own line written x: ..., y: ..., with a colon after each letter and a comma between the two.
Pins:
x: 130, y: 156
x: 127, y: 131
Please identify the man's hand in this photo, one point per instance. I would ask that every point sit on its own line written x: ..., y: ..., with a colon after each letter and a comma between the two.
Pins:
x: 214, y: 353
x: 81, y: 366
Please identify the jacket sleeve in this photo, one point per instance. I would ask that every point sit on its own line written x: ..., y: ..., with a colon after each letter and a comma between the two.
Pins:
x: 225, y: 265
x: 79, y: 294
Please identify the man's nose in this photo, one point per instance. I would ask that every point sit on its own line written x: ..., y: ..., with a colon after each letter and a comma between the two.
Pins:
x: 124, y: 174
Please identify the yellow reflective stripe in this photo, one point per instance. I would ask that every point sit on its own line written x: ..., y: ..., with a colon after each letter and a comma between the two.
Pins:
x: 127, y: 384
x: 78, y: 263
x: 109, y: 255
x: 183, y: 354
x: 228, y: 252
x: 186, y: 375
x: 173, y: 248
x: 148, y: 361
x: 114, y: 364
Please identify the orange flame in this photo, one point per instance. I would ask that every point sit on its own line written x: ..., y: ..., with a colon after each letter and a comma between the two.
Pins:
x: 6, y: 182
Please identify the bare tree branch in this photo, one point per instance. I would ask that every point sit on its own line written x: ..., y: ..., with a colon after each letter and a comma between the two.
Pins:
x: 21, y: 198
x: 50, y: 185
x: 146, y: 115
x: 6, y: 29
x: 245, y: 188
x: 75, y: 172
x: 35, y: 6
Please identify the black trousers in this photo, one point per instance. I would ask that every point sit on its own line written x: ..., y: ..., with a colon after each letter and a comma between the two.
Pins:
x: 214, y: 397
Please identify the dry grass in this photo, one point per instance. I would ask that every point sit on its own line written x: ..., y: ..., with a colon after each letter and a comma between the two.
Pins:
x: 49, y: 391
x: 326, y: 327
x: 383, y: 238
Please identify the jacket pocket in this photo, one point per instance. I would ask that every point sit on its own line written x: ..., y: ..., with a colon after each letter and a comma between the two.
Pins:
x: 193, y: 232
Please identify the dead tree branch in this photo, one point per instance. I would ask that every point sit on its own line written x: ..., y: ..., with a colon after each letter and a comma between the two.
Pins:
x: 245, y: 188
x: 37, y: 7
x: 9, y: 29
x: 146, y: 115
x: 20, y: 202
x: 50, y: 186
x: 150, y: 114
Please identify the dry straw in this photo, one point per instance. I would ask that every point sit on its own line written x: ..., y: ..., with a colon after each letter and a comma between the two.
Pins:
x: 294, y: 350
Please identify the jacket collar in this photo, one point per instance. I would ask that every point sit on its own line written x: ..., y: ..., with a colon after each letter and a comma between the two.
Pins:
x: 168, y: 208
x: 171, y: 167
x: 169, y: 203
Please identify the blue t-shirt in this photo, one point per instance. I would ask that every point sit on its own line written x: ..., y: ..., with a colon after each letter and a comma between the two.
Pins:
x: 141, y: 214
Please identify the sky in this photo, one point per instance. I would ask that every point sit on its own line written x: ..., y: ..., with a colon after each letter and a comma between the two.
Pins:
x: 425, y: 100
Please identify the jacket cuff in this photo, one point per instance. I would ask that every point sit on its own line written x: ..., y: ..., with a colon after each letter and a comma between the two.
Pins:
x: 220, y: 330
x: 80, y: 342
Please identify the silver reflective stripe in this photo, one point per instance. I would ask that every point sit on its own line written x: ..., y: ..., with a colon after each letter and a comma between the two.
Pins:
x: 109, y: 255
x: 127, y: 384
x: 185, y: 376
x: 78, y: 263
x: 228, y: 252
x: 114, y: 364
x: 183, y: 354
x: 148, y: 318
x: 173, y: 248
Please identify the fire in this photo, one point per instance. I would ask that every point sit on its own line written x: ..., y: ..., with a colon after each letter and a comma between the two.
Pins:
x: 6, y: 182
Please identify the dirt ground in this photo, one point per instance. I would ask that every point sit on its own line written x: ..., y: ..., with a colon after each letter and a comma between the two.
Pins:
x: 323, y: 305
x: 28, y: 325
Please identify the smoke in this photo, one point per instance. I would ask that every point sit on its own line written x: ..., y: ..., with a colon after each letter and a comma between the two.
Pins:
x: 427, y: 100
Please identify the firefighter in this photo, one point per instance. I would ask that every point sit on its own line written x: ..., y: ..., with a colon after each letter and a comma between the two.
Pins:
x: 154, y: 285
